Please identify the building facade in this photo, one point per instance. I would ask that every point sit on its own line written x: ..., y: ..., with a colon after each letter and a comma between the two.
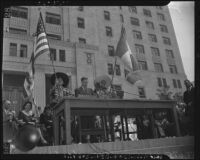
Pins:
x: 83, y: 40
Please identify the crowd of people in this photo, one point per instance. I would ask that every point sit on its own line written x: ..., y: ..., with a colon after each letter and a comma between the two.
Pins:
x: 44, y: 121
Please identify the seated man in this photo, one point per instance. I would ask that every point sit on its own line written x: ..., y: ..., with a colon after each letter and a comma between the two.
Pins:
x: 84, y: 90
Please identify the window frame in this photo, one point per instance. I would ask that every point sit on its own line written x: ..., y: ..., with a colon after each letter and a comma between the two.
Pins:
x: 11, y: 49
x: 142, y: 65
x: 82, y: 40
x: 110, y: 68
x: 111, y: 51
x: 53, y: 18
x: 152, y: 38
x: 139, y: 46
x: 26, y: 50
x: 106, y: 15
x: 109, y: 31
x: 134, y: 21
x: 54, y: 54
x: 147, y: 12
x: 150, y: 26
x: 118, y: 70
x: 60, y: 55
x: 157, y: 53
x: 80, y: 23
x: 160, y: 67
x: 137, y: 34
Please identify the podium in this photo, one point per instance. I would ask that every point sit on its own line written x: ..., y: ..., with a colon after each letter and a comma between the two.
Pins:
x: 86, y: 109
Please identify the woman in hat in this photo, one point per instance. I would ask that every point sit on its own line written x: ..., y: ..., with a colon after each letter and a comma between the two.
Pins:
x: 59, y: 90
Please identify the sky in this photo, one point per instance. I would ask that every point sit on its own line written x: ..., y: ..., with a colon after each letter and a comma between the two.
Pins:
x: 182, y: 14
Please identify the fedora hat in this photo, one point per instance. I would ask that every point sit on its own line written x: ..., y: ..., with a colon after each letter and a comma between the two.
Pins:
x: 64, y: 77
x: 103, y: 79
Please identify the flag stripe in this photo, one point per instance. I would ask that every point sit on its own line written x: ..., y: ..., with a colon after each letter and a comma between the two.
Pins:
x: 41, y: 41
x: 39, y: 38
x: 41, y: 52
x: 41, y: 45
x: 41, y: 48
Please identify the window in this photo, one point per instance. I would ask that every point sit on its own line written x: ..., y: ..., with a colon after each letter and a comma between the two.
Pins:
x: 164, y: 82
x: 23, y: 50
x: 80, y: 8
x: 132, y: 9
x: 110, y: 69
x: 111, y: 50
x: 52, y: 54
x: 137, y: 35
x: 13, y: 49
x: 150, y: 25
x: 161, y: 16
x: 126, y: 72
x: 53, y: 36
x: 155, y: 51
x: 117, y: 69
x: 82, y: 40
x: 163, y: 28
x: 169, y: 53
x: 173, y: 69
x: 52, y: 18
x: 89, y: 58
x: 17, y: 31
x: 174, y: 83
x: 142, y: 65
x: 62, y: 55
x: 152, y: 37
x: 159, y: 82
x: 158, y: 67
x: 121, y: 18
x: 109, y: 31
x: 19, y: 12
x: 139, y: 48
x: 106, y: 15
x: 166, y: 41
x: 147, y: 12
x: 141, y: 92
x: 179, y: 84
x: 134, y: 21
x: 80, y: 22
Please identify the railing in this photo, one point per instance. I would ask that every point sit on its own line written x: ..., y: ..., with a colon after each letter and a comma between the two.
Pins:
x: 106, y: 120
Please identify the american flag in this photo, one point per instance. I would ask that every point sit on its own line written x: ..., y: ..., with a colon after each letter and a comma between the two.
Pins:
x: 41, y: 46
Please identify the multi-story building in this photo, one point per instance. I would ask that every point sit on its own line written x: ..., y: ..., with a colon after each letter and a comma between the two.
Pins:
x: 83, y: 40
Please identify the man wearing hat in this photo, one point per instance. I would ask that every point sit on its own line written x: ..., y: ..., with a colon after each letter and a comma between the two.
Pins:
x: 60, y: 82
x: 83, y: 90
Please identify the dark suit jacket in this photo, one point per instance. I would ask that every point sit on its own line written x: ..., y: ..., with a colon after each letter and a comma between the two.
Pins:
x: 81, y: 91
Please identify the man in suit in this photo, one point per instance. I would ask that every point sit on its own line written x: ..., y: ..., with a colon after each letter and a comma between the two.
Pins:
x: 188, y: 98
x: 84, y: 90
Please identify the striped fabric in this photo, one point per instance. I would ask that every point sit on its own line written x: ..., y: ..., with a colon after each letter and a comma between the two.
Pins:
x: 29, y: 79
x: 124, y: 52
x: 42, y: 45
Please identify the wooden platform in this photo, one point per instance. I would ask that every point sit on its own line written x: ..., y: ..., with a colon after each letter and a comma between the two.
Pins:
x: 168, y: 146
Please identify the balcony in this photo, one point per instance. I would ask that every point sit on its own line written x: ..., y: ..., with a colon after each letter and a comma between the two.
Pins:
x: 18, y: 22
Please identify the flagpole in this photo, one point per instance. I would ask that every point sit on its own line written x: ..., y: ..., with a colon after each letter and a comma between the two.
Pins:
x: 113, y: 73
